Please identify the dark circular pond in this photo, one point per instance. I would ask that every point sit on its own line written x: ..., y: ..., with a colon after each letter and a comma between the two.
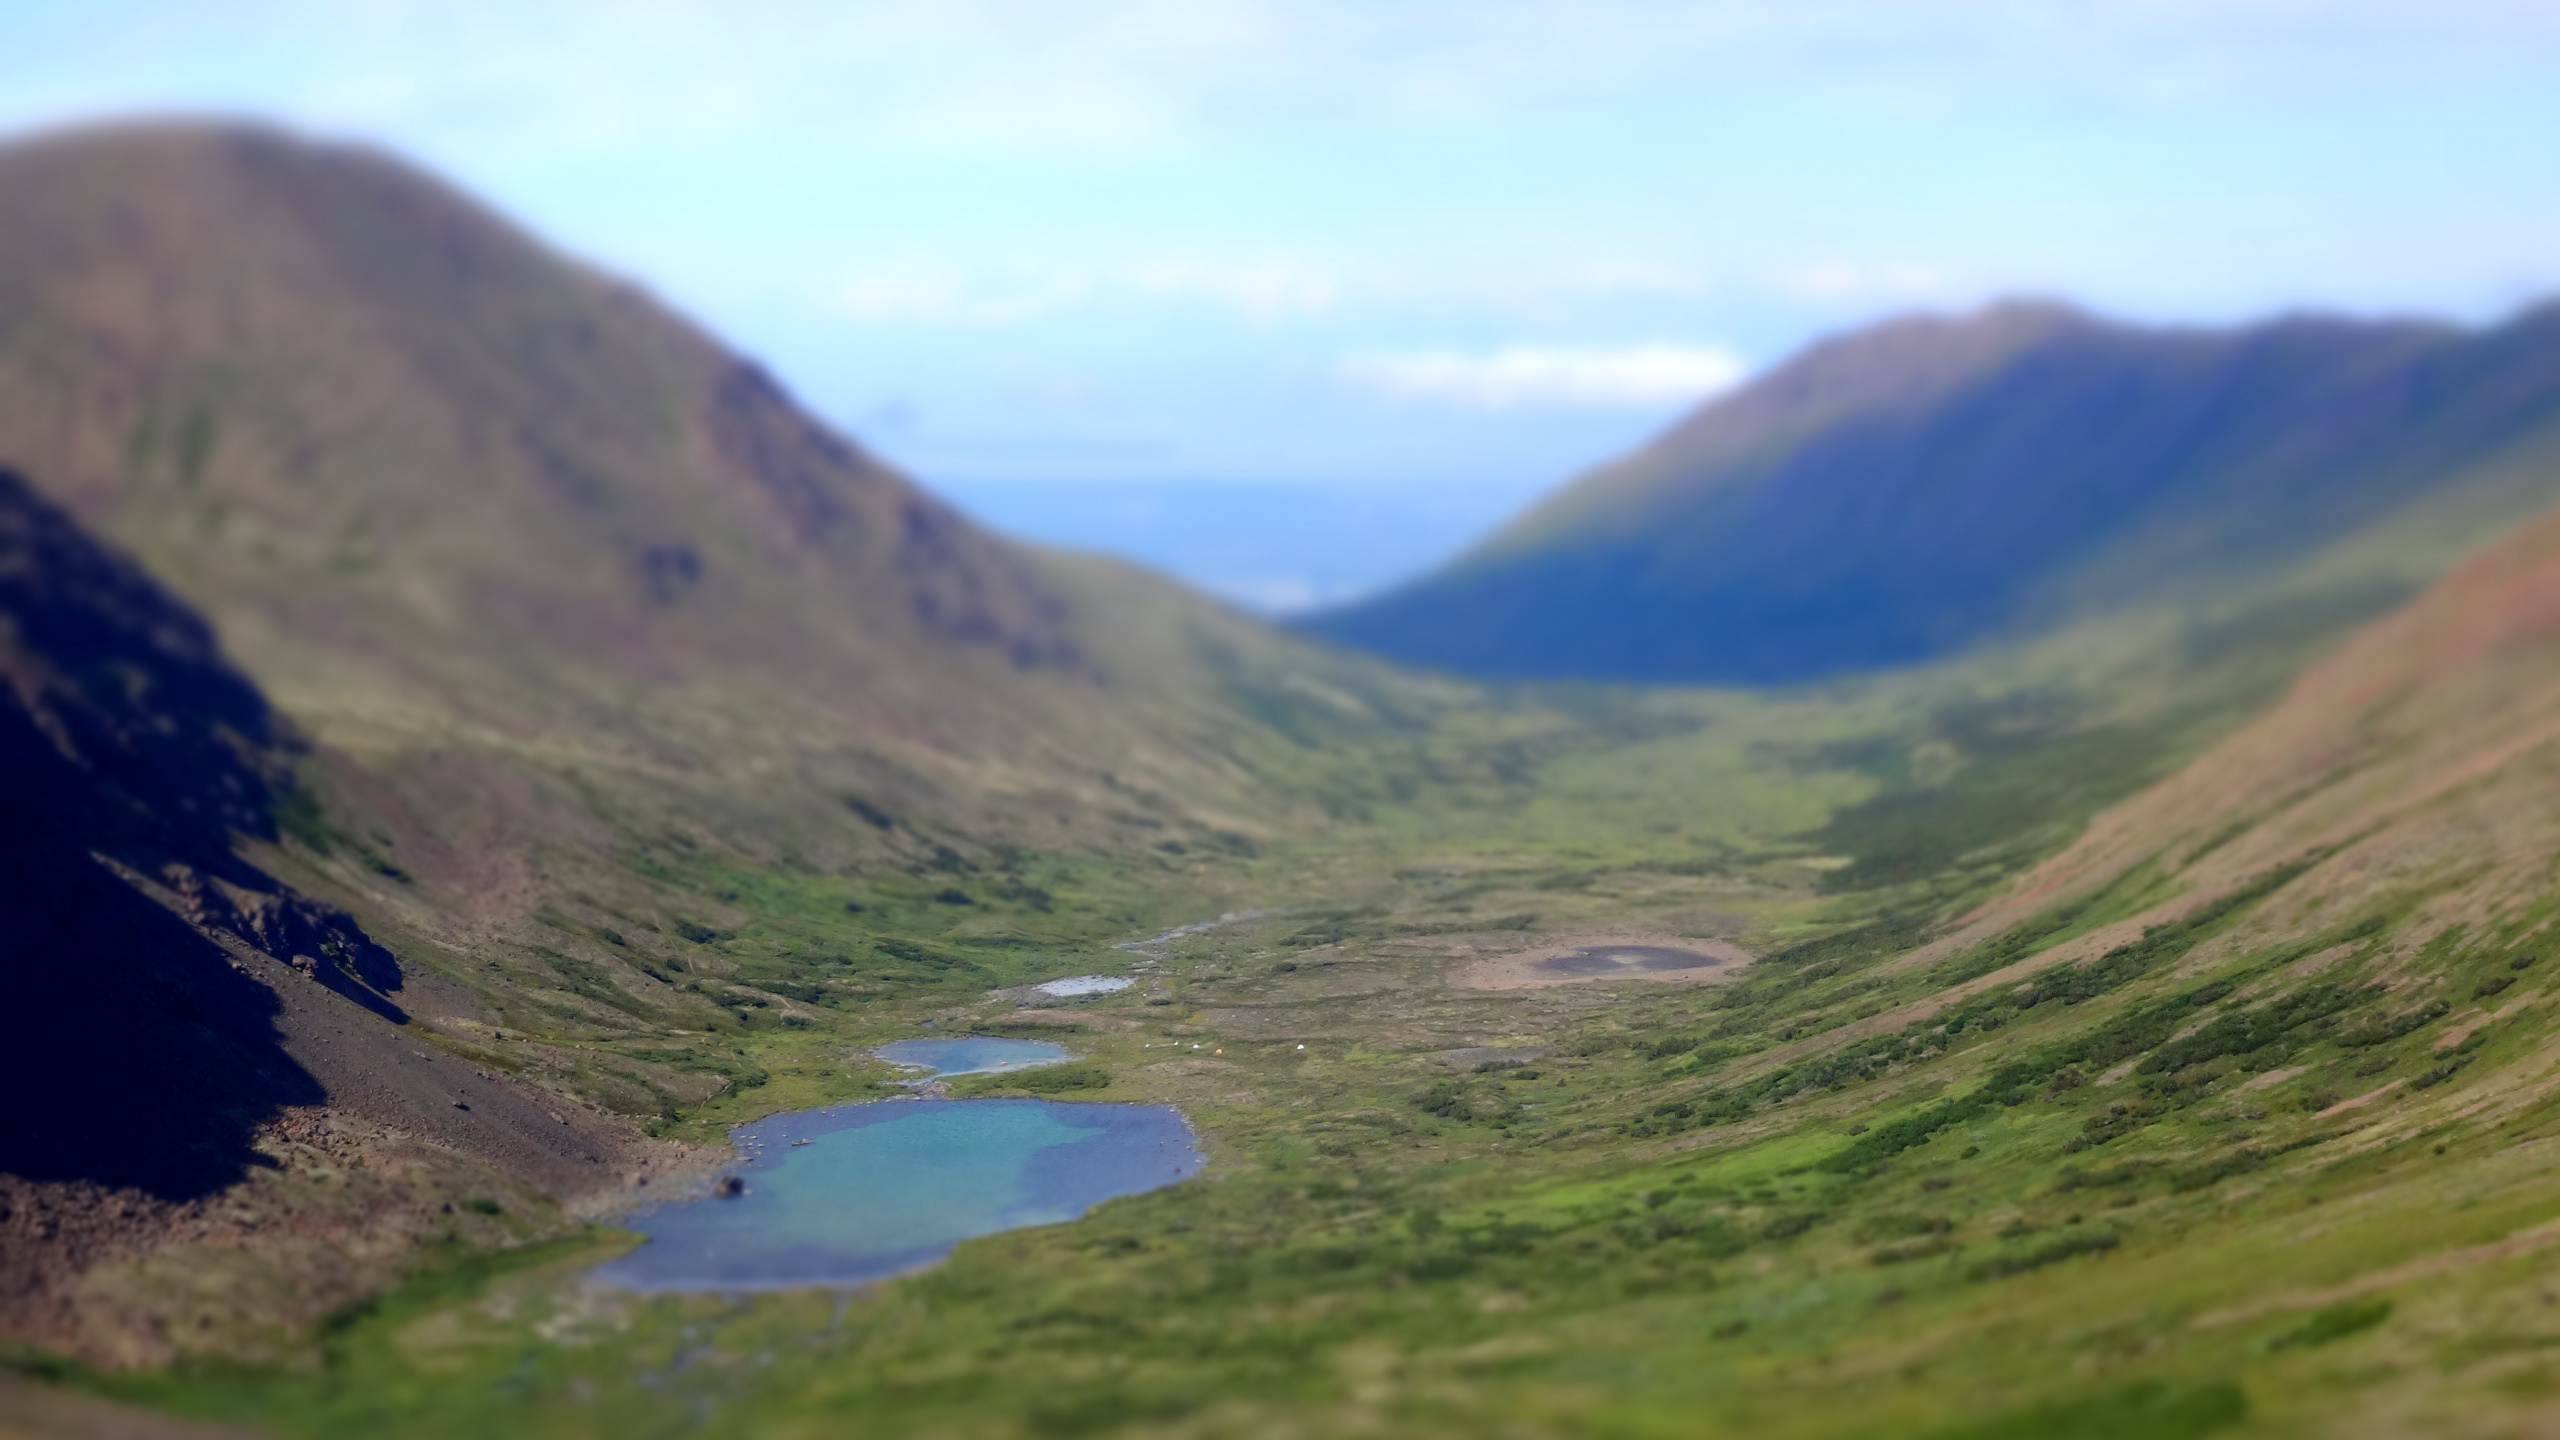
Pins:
x: 1608, y: 959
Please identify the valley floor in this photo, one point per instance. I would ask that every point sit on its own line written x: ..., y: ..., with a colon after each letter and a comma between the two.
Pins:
x: 1804, y: 1201
x: 1977, y: 1129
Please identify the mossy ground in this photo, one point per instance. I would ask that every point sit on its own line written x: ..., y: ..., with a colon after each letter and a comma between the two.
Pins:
x: 1368, y: 1257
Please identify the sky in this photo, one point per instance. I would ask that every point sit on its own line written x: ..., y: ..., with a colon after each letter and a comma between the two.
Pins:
x: 1292, y: 297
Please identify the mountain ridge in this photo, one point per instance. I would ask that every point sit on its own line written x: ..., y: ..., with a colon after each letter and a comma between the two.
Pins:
x: 432, y: 479
x: 1933, y: 484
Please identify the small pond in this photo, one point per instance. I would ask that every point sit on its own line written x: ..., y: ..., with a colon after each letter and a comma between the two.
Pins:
x: 892, y: 1185
x: 972, y: 1054
x: 1075, y: 985
x: 1616, y: 959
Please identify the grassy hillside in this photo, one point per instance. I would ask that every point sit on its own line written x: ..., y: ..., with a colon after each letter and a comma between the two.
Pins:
x: 445, y: 491
x: 2223, y: 1112
x: 1931, y: 485
x: 2236, y: 1117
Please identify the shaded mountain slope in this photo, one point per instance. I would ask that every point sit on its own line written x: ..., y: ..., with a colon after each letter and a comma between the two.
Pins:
x: 1929, y: 484
x: 124, y: 735
x: 169, y: 1011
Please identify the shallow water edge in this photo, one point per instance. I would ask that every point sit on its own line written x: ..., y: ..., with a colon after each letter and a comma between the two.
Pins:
x: 890, y: 1186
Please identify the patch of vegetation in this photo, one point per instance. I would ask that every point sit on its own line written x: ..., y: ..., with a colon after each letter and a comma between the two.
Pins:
x: 2143, y: 1410
x: 2335, y: 1322
x: 2021, y: 791
x: 1044, y: 1080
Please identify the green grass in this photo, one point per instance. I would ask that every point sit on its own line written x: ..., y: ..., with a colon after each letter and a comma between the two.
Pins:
x: 1405, y: 1248
x: 1748, y: 1208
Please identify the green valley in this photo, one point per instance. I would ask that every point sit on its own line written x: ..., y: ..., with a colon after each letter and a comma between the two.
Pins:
x: 542, y: 748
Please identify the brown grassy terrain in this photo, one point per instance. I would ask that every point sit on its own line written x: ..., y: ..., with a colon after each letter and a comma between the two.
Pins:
x: 2419, y: 757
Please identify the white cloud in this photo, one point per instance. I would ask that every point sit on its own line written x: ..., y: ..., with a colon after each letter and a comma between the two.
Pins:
x: 1262, y: 290
x: 1525, y: 376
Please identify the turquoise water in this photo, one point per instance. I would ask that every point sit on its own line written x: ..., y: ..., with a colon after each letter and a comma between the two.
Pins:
x: 892, y: 1185
x: 972, y: 1054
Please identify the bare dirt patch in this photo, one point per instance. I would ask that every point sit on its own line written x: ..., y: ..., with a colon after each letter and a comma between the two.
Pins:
x: 1072, y: 1019
x: 1579, y: 959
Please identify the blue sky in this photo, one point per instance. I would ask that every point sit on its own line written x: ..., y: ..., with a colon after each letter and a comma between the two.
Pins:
x: 1426, y: 255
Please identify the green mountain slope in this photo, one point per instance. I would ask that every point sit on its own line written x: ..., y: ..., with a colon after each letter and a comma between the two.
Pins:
x: 599, y: 656
x: 1930, y: 485
x: 444, y: 490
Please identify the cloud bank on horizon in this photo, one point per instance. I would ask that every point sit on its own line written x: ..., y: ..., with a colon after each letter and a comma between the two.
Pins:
x: 1474, y: 243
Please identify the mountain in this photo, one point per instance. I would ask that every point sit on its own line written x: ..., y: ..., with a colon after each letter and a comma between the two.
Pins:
x: 1931, y: 484
x: 458, y: 502
x: 544, y: 572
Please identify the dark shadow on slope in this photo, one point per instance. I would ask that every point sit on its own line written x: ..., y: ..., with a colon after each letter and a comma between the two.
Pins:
x: 134, y: 1051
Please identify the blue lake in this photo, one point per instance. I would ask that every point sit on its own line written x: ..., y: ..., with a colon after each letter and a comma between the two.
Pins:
x: 972, y: 1054
x: 889, y: 1186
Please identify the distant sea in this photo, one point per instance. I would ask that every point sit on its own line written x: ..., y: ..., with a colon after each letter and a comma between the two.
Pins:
x: 1269, y: 547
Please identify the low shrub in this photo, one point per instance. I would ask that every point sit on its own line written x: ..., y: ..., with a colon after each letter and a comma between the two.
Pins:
x: 2052, y: 1252
x: 2337, y: 1322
